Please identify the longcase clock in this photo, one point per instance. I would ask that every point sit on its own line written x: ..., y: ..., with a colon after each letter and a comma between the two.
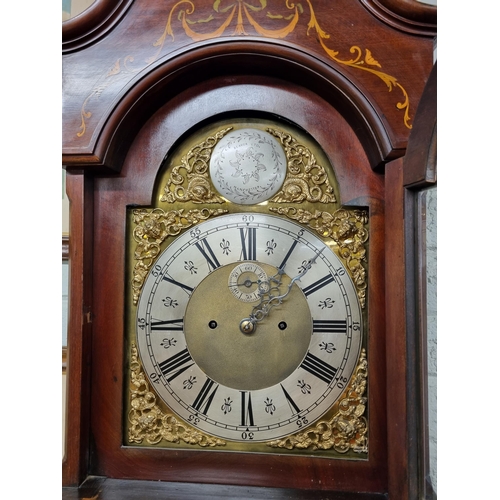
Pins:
x: 237, y: 320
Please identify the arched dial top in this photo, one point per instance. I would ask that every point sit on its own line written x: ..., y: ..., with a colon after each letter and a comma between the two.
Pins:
x: 291, y: 369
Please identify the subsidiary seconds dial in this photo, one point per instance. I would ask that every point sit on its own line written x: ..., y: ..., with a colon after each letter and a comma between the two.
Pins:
x: 289, y: 370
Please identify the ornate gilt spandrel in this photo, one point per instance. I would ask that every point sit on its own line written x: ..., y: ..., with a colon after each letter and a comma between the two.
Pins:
x: 347, y: 228
x: 149, y: 424
x: 306, y: 179
x: 151, y: 228
x: 346, y: 430
x: 190, y: 181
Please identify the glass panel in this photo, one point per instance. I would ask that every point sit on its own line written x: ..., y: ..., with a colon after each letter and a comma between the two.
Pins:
x: 71, y: 8
x: 431, y: 285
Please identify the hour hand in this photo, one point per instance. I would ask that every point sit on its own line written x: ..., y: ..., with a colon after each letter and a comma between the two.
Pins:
x: 260, y: 311
x: 305, y: 268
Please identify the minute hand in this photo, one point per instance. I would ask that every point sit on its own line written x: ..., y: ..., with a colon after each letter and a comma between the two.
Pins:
x: 260, y: 311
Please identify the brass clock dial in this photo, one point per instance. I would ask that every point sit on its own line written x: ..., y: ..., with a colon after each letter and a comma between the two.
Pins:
x: 294, y: 362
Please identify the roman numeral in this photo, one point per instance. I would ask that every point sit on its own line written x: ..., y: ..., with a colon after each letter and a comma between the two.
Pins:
x: 178, y: 283
x: 329, y: 326
x: 176, y: 364
x: 317, y: 285
x: 291, y: 402
x: 248, y: 243
x: 318, y: 368
x: 287, y: 256
x: 172, y: 325
x: 204, y: 399
x: 209, y: 255
x: 246, y: 409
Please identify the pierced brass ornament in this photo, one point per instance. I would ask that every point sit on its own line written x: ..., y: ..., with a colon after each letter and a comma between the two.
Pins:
x: 194, y: 184
x: 305, y: 179
x: 348, y: 427
x: 149, y: 423
x: 152, y: 227
x: 347, y: 229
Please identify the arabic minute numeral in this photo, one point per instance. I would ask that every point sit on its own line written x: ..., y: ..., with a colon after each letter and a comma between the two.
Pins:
x: 194, y: 419
x: 340, y: 271
x: 195, y: 233
x: 302, y: 421
x: 156, y: 270
x: 342, y: 382
x: 141, y: 323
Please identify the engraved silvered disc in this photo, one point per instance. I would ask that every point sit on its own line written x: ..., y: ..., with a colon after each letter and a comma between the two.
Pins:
x: 248, y: 166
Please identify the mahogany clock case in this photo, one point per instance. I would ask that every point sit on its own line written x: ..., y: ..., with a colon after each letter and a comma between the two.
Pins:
x: 358, y: 186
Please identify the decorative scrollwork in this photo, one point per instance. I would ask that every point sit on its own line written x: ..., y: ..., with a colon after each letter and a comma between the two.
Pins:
x: 347, y: 229
x: 368, y: 64
x: 152, y: 227
x: 346, y: 430
x: 194, y: 185
x: 305, y: 179
x: 149, y: 423
x: 230, y: 21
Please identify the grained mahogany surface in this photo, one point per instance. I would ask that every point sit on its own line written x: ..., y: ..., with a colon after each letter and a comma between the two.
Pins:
x: 97, y: 488
x: 359, y: 186
x: 380, y: 71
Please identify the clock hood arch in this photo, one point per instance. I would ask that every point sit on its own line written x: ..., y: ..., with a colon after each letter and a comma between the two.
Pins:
x: 228, y: 65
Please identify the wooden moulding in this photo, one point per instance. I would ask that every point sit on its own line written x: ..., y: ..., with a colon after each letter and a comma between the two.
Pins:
x: 229, y: 62
x: 92, y: 24
x: 420, y: 172
x: 410, y: 16
x: 75, y: 461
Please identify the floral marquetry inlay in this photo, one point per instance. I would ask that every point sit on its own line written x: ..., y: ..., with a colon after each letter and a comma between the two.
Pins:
x: 247, y: 18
